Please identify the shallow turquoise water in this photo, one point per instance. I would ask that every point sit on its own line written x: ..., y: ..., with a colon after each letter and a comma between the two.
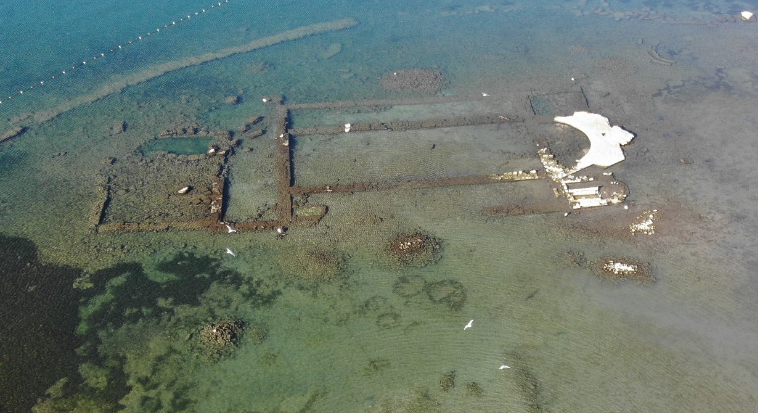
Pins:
x: 114, y: 321
x: 179, y: 146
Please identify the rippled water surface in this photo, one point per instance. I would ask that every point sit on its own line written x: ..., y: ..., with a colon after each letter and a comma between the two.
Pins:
x: 307, y: 207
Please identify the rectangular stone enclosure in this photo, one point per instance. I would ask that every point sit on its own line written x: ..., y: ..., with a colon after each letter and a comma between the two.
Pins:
x: 342, y: 148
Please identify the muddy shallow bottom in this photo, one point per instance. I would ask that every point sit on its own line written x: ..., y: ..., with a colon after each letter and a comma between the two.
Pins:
x: 385, y: 295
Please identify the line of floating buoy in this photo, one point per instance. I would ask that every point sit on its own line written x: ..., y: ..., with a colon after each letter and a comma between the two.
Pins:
x: 114, y: 49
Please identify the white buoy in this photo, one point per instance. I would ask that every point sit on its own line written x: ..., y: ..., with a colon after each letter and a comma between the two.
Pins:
x: 120, y: 46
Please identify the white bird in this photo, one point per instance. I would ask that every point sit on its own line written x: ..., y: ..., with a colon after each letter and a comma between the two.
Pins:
x: 470, y: 323
x: 503, y: 367
x: 485, y: 94
x: 229, y: 229
x: 230, y: 252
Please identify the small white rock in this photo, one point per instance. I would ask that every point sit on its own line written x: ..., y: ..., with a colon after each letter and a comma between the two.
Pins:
x: 746, y: 15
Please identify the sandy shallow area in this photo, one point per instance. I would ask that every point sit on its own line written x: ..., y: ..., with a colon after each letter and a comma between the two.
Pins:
x: 332, y: 316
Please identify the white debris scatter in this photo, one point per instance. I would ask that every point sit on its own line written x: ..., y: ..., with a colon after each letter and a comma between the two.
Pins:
x: 620, y: 268
x: 590, y: 191
x: 645, y: 223
x: 577, y: 188
x: 516, y: 176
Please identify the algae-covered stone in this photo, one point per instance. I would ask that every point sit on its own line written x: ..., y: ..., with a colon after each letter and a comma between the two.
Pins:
x: 220, y: 339
x: 415, y: 250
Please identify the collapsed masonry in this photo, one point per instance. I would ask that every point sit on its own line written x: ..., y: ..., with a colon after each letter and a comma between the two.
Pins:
x: 209, y: 189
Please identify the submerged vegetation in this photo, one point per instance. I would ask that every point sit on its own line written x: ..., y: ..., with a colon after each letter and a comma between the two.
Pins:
x: 413, y: 250
x: 38, y: 309
x: 143, y: 333
x: 313, y: 265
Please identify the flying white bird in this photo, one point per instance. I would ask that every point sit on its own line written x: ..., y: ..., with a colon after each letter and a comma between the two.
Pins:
x: 230, y: 229
x: 469, y: 325
x: 230, y: 252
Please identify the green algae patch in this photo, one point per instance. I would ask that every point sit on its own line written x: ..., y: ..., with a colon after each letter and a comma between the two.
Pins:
x: 146, y: 333
x: 38, y: 306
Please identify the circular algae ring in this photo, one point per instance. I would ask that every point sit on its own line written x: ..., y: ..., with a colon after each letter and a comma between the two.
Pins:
x: 450, y: 293
x: 409, y: 286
